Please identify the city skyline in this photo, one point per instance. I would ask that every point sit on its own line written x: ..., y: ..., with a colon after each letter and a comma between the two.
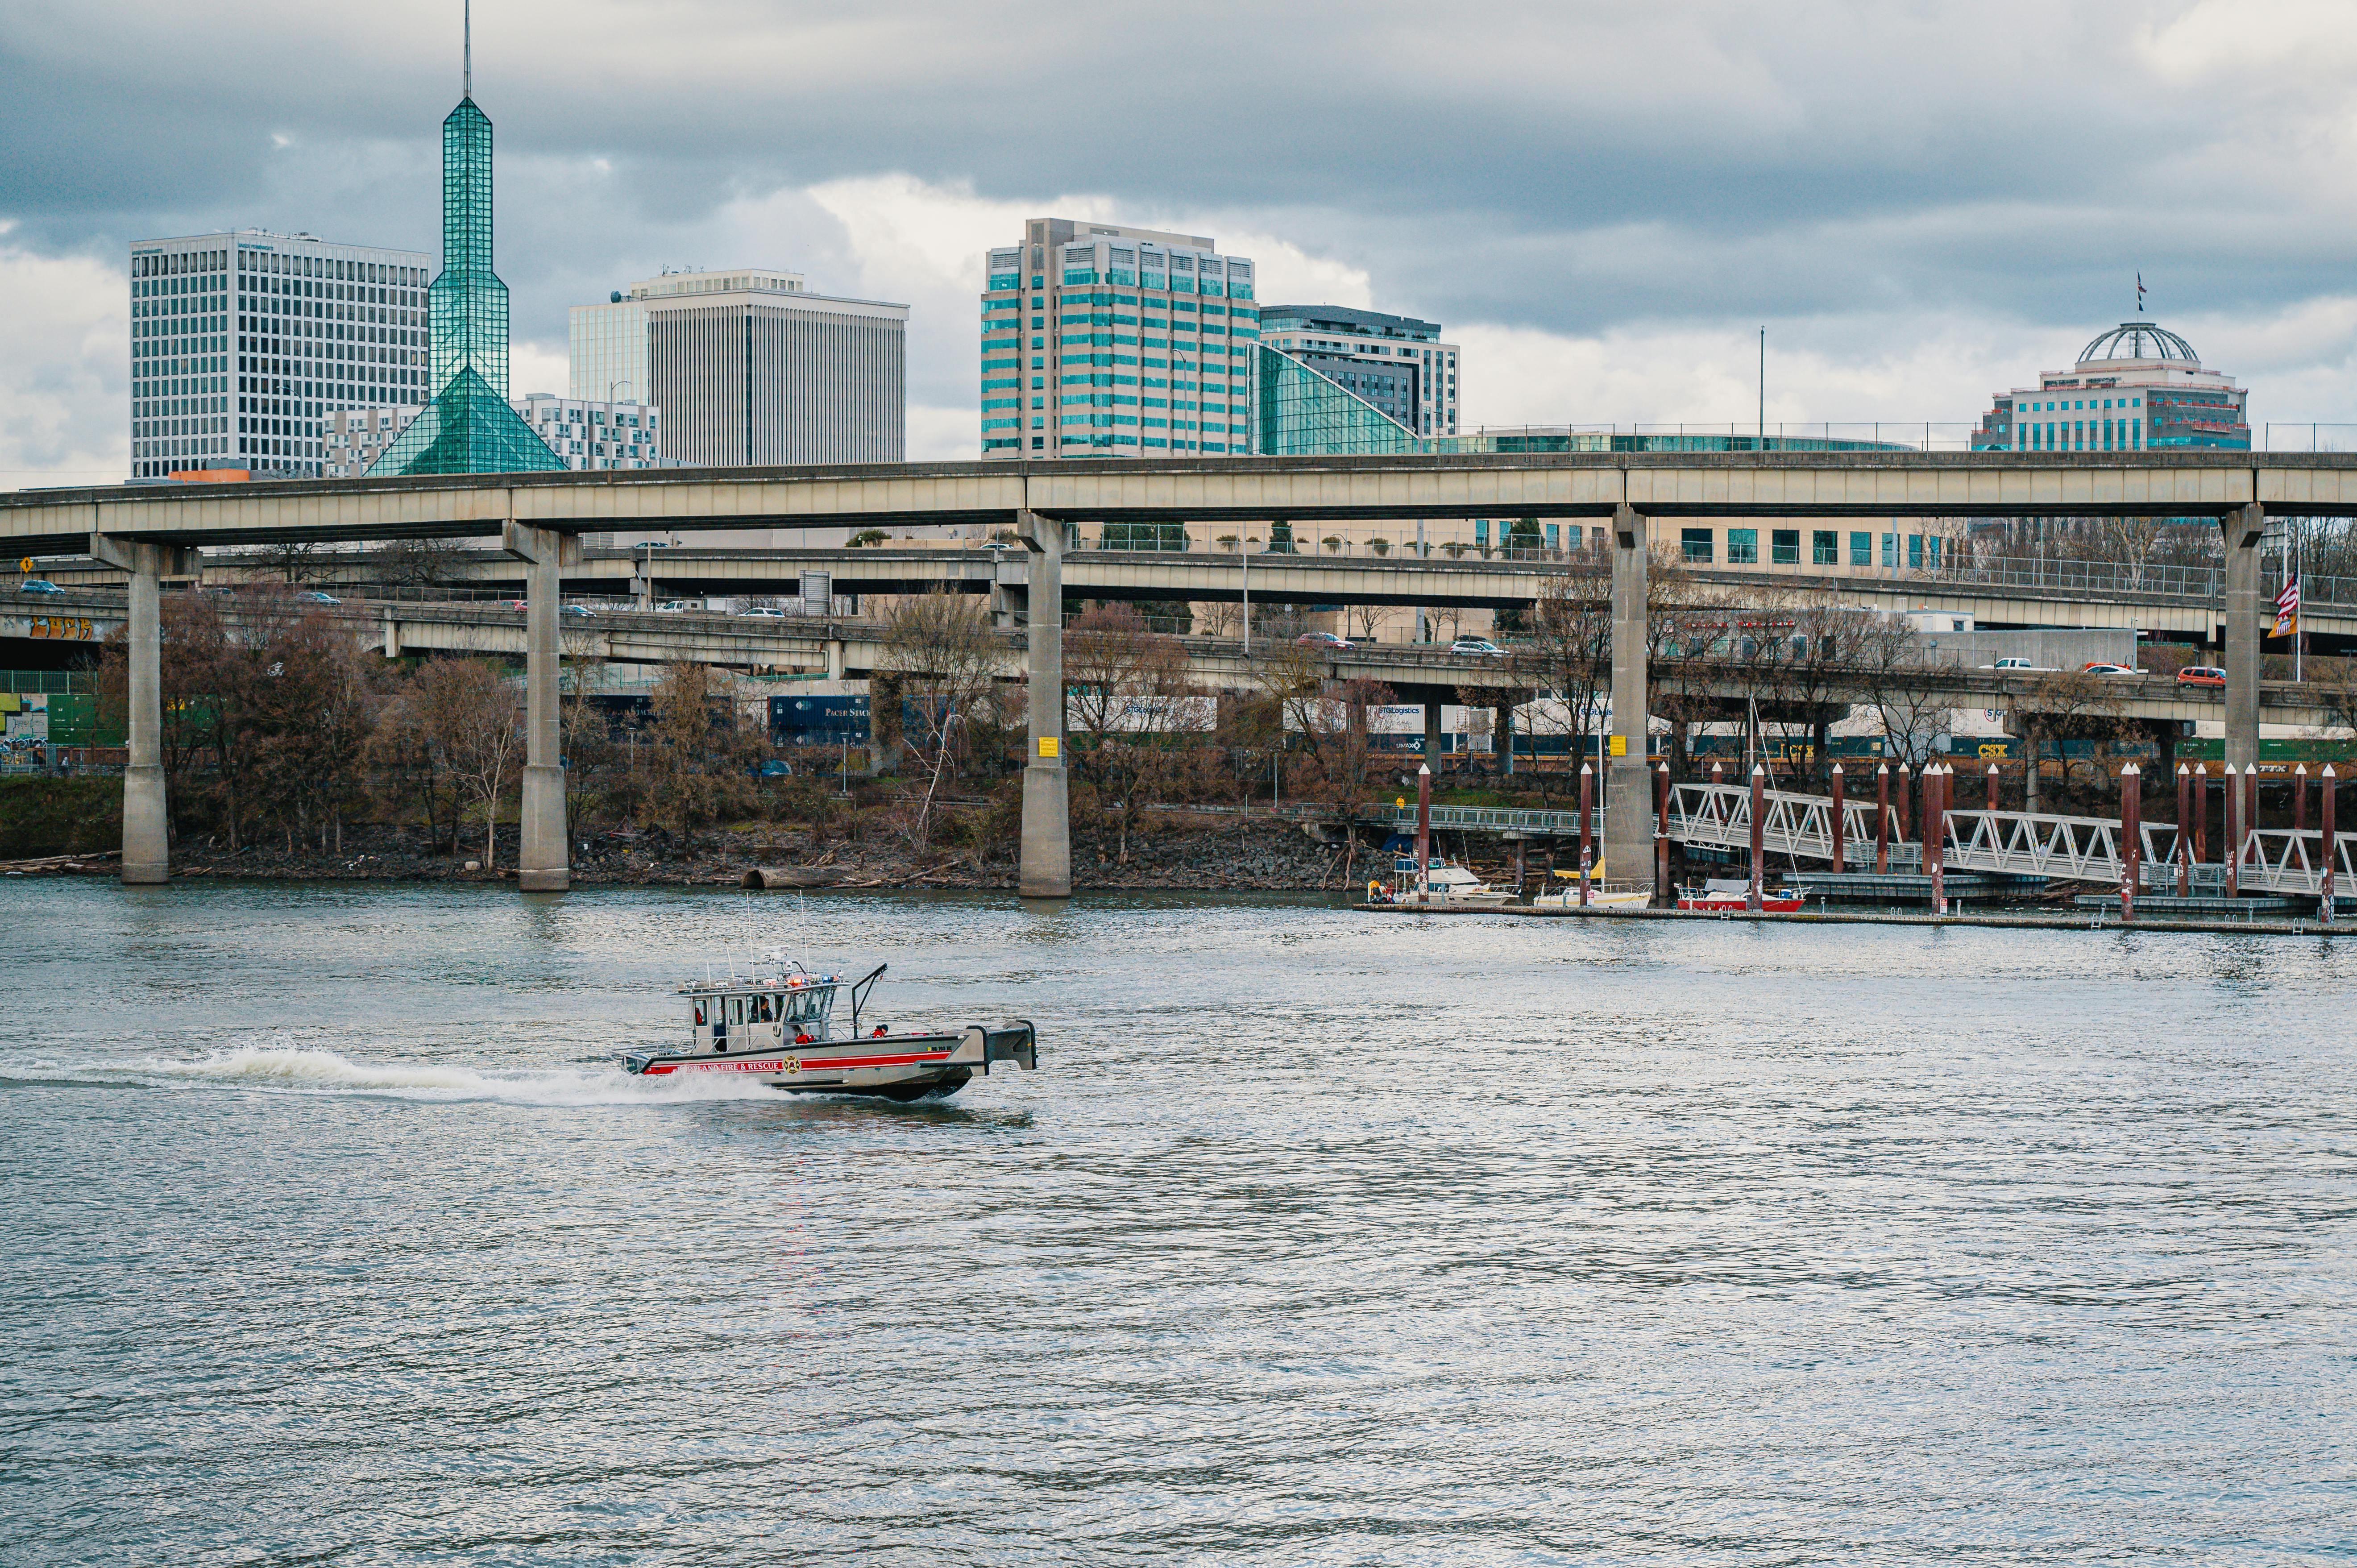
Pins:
x: 1610, y: 261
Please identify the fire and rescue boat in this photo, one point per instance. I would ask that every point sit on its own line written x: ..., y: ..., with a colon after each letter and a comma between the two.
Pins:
x: 781, y: 1028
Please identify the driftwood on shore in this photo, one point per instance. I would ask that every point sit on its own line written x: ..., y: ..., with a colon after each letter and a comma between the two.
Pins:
x: 792, y: 877
x: 59, y: 863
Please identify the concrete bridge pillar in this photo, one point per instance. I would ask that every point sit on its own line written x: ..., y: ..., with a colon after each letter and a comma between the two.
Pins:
x: 1628, y: 790
x: 545, y: 867
x: 1433, y: 741
x: 147, y: 827
x: 1047, y: 868
x: 2243, y: 526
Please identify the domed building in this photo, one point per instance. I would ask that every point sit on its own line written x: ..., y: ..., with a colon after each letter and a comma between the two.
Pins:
x: 2136, y: 388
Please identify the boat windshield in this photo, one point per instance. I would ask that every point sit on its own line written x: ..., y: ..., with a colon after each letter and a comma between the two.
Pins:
x: 797, y: 1005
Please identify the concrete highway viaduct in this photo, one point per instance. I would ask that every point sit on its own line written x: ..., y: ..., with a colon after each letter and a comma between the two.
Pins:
x: 652, y: 574
x: 852, y: 648
x: 148, y: 530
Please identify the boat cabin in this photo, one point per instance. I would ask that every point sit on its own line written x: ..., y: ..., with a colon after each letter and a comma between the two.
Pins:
x: 734, y: 1015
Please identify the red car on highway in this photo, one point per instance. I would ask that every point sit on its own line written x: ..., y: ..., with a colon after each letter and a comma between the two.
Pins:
x: 2201, y: 675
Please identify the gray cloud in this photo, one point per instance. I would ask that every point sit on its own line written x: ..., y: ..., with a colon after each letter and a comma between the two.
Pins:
x: 1570, y: 168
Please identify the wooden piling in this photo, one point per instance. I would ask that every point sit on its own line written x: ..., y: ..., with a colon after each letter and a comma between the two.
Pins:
x: 1423, y: 828
x: 1882, y: 819
x: 1935, y: 833
x: 1839, y: 865
x: 2230, y: 852
x: 2184, y: 856
x: 1587, y: 829
x: 2131, y: 845
x: 1662, y: 833
x: 1759, y: 835
x: 2332, y: 848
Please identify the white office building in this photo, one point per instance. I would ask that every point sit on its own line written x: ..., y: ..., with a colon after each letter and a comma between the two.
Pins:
x: 749, y: 367
x: 352, y: 438
x: 592, y: 436
x: 243, y: 341
x: 1100, y: 340
x: 2137, y: 387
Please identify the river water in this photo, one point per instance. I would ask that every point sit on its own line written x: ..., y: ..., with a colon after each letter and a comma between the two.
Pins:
x: 1319, y: 1238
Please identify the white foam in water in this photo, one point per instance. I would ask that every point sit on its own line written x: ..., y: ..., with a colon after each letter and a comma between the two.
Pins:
x: 303, y: 1069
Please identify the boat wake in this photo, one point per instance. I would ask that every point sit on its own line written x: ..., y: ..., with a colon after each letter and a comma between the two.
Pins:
x: 305, y: 1070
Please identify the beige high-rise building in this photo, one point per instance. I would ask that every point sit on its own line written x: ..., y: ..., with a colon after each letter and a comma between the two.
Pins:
x: 750, y: 369
x: 1100, y: 340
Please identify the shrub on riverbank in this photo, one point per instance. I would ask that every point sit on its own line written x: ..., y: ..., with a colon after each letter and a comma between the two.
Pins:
x: 60, y: 816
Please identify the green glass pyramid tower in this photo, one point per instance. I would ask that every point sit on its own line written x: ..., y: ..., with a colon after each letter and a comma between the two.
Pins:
x: 469, y: 428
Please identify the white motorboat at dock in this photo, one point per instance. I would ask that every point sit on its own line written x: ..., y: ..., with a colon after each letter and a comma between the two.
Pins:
x: 1429, y: 882
x: 1443, y: 885
x: 781, y: 1028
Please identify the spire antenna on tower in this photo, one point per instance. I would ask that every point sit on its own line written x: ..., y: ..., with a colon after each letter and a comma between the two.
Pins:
x: 466, y: 50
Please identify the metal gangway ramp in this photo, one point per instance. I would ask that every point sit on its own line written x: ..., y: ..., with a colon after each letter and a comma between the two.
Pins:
x: 2032, y: 845
x: 2087, y: 849
x: 1719, y: 816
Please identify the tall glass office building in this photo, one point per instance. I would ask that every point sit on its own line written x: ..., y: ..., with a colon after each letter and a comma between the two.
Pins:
x: 1101, y: 341
x: 606, y: 350
x: 467, y: 428
x: 1304, y: 414
x: 1398, y: 363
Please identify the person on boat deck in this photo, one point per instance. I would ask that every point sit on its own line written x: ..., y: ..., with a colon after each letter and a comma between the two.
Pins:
x: 699, y: 1014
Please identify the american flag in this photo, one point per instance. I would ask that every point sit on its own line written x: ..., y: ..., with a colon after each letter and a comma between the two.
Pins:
x: 2287, y: 610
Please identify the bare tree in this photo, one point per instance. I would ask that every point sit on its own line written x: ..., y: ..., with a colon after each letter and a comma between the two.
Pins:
x: 469, y: 711
x: 1891, y: 662
x: 2067, y: 705
x: 326, y: 696
x: 1291, y: 679
x: 297, y: 561
x: 419, y: 562
x: 1821, y: 644
x: 1567, y: 646
x: 1351, y: 757
x: 1217, y: 617
x: 581, y: 724
x: 1126, y: 685
x: 403, y: 754
x: 2130, y: 541
x: 697, y: 754
x: 943, y: 653
x: 2333, y: 683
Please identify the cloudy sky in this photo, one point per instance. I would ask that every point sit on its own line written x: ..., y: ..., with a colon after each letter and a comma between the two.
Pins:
x: 1921, y: 202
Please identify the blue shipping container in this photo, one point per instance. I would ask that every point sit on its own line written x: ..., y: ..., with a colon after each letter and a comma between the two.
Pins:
x: 818, y: 721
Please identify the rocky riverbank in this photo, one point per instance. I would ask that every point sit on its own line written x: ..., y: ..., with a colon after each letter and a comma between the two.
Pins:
x: 1176, y: 851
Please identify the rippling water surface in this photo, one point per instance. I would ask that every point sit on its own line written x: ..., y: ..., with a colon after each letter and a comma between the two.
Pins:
x: 333, y: 1237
